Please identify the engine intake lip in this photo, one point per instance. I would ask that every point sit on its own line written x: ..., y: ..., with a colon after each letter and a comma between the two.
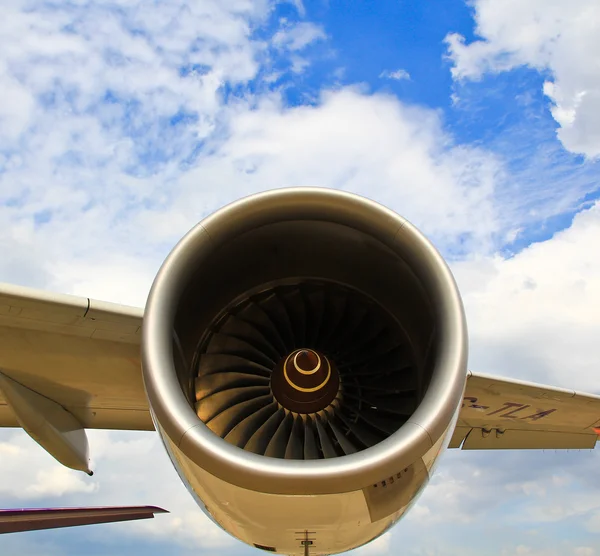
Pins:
x: 178, y: 420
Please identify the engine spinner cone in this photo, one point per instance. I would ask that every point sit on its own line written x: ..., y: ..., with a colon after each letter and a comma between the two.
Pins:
x: 305, y: 381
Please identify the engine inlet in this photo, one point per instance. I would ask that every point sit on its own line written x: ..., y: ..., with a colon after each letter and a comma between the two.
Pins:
x: 304, y: 275
x: 306, y: 371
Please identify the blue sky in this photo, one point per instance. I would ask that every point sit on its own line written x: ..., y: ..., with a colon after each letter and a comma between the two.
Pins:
x: 123, y: 123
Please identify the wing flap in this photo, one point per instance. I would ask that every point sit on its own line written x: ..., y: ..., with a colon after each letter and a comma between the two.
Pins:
x: 480, y: 439
x: 499, y: 413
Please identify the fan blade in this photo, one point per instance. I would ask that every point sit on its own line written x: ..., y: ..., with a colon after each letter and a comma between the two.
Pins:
x: 277, y: 312
x: 243, y: 330
x: 324, y: 440
x: 385, y: 423
x: 211, y: 363
x: 311, y: 450
x: 370, y: 329
x: 230, y: 345
x: 278, y: 443
x: 391, y: 383
x: 211, y: 384
x: 226, y: 420
x: 260, y: 439
x: 295, y: 445
x: 396, y: 359
x: 332, y: 317
x: 296, y: 308
x: 353, y: 316
x: 362, y: 433
x: 315, y: 304
x: 394, y: 405
x: 369, y: 341
x: 243, y: 431
x: 254, y: 315
x: 211, y: 406
x: 343, y: 441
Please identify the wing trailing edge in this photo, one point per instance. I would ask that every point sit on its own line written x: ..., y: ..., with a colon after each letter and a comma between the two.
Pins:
x: 505, y: 414
x: 33, y: 519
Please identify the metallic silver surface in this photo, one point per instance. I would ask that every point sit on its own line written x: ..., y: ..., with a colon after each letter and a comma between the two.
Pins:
x: 271, y: 236
x: 336, y: 522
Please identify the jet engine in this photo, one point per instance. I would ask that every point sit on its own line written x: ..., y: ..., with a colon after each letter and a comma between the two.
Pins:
x: 304, y: 355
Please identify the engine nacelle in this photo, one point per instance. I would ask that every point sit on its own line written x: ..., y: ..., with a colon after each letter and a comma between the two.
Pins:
x: 304, y: 355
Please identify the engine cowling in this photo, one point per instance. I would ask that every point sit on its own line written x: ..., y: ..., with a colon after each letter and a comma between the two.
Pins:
x: 303, y: 348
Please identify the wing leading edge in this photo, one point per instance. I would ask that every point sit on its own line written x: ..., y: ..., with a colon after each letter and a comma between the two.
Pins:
x: 500, y: 413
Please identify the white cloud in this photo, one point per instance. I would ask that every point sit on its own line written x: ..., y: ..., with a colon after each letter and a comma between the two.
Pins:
x: 30, y: 473
x: 534, y: 315
x: 89, y: 137
x: 105, y: 223
x: 294, y: 38
x: 96, y: 190
x: 297, y: 36
x: 56, y: 482
x: 96, y: 194
x: 555, y: 37
x: 299, y: 5
x: 130, y: 468
x: 81, y: 53
x: 370, y: 144
x: 554, y: 510
x: 525, y: 550
x: 380, y: 546
x: 397, y: 75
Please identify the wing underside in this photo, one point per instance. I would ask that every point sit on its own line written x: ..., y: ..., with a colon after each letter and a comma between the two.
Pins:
x: 500, y: 413
x: 33, y: 519
x: 80, y: 353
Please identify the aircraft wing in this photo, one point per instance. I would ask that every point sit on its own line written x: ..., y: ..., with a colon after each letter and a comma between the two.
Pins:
x: 500, y: 413
x: 80, y: 353
x: 33, y: 519
x: 68, y: 364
